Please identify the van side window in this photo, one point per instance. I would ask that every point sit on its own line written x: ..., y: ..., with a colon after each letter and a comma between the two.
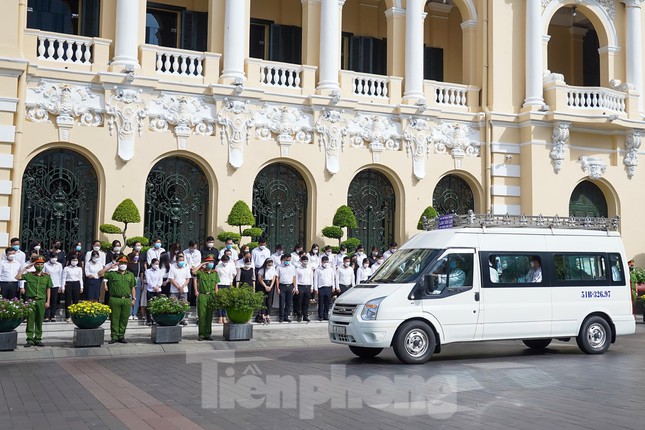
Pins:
x: 577, y: 267
x: 514, y: 268
x: 454, y: 273
x: 616, y: 263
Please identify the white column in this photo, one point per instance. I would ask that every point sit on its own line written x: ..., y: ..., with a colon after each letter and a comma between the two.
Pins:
x: 329, y: 44
x: 634, y: 47
x: 234, y: 36
x: 414, y: 17
x: 126, y: 37
x: 534, y: 68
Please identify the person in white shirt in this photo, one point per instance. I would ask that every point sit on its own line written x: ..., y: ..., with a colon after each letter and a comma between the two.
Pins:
x: 229, y: 246
x: 55, y: 271
x: 340, y: 257
x: 364, y: 271
x: 179, y: 278
x: 287, y: 286
x: 324, y: 282
x: 314, y: 257
x: 9, y: 268
x: 154, y: 279
x: 302, y: 293
x: 155, y: 251
x: 295, y: 255
x: 92, y: 278
x: 393, y: 247
x: 379, y: 261
x: 72, y: 284
x: 227, y: 273
x: 360, y: 254
x: 260, y: 254
x: 266, y: 282
x: 96, y: 247
x: 193, y: 258
x: 344, y: 277
x: 277, y: 256
x: 19, y: 256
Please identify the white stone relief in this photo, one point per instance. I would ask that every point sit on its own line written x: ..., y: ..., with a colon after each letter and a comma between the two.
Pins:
x: 454, y: 137
x: 289, y: 124
x: 235, y: 121
x: 608, y: 5
x: 377, y: 131
x: 549, y: 77
x: 188, y: 115
x: 126, y: 111
x: 632, y: 145
x: 418, y: 136
x: 594, y: 167
x: 560, y: 142
x: 68, y: 103
x: 332, y: 129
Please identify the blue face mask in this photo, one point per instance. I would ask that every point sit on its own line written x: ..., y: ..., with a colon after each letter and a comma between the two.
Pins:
x: 181, y: 264
x: 16, y: 247
x: 157, y: 245
x: 78, y: 247
x: 229, y: 246
x: 453, y: 264
x: 210, y: 265
x: 287, y: 262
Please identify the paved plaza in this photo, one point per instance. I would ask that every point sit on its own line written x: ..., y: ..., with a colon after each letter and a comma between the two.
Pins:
x: 264, y: 385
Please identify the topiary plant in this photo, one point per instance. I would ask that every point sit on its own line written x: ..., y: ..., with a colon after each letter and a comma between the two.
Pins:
x: 127, y: 213
x: 226, y: 235
x: 351, y: 244
x: 344, y: 217
x: 430, y: 213
x: 144, y: 241
x: 254, y: 233
x: 333, y: 232
x: 240, y: 215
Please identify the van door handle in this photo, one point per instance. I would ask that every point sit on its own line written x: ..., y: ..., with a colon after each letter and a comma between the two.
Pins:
x: 477, y: 296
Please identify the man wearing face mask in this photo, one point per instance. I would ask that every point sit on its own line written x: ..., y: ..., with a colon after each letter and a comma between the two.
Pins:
x: 209, y: 249
x: 120, y: 286
x: 277, y: 255
x: 287, y: 285
x: 9, y: 268
x: 227, y: 272
x: 155, y: 251
x: 364, y: 272
x: 324, y: 282
x: 260, y: 254
x: 19, y: 256
x: 179, y: 278
x: 393, y: 247
x: 55, y: 270
x: 207, y: 280
x: 230, y: 247
x: 345, y: 277
x: 379, y: 260
x: 302, y: 294
x: 37, y: 288
x: 96, y: 247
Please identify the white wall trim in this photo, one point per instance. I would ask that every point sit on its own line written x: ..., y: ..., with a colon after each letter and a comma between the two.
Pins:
x: 8, y: 104
x: 4, y: 240
x: 7, y: 133
x: 5, y: 188
x: 505, y: 171
x: 507, y: 209
x: 5, y: 213
x: 6, y: 161
x: 506, y: 190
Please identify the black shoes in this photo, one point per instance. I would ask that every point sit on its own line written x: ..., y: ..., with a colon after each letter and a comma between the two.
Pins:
x: 208, y: 338
x: 122, y: 340
x: 112, y: 341
x: 306, y: 319
x: 286, y: 320
x: 39, y: 343
x: 28, y: 345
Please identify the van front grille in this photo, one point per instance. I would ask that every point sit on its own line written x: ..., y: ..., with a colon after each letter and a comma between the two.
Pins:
x: 344, y: 310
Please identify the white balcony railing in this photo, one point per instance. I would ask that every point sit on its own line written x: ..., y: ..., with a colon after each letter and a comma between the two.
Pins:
x: 280, y: 75
x: 453, y: 95
x: 179, y: 62
x: 370, y: 85
x: 64, y: 48
x: 596, y: 98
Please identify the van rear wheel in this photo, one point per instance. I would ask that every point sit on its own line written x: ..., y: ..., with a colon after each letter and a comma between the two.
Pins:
x: 595, y: 335
x: 414, y: 342
x: 362, y: 352
x: 537, y: 343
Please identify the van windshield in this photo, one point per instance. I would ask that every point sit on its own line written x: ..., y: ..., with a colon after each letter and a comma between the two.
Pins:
x: 404, y: 266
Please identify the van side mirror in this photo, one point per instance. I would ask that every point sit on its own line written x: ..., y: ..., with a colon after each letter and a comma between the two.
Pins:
x: 428, y: 283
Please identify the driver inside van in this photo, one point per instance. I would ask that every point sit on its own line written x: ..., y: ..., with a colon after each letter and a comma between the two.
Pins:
x: 456, y: 276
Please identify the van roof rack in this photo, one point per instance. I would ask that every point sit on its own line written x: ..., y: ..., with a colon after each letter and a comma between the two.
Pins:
x: 472, y: 219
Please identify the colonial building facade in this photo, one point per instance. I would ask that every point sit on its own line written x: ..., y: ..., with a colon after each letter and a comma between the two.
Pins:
x: 300, y: 106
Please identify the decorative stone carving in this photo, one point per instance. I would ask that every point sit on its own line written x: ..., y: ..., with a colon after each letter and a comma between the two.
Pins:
x: 188, y: 115
x: 126, y: 112
x: 379, y: 132
x: 235, y: 121
x: 418, y: 137
x: 549, y: 77
x: 289, y: 124
x: 632, y: 144
x: 456, y: 138
x: 332, y: 129
x: 594, y: 167
x: 608, y: 5
x: 560, y: 141
x: 68, y: 103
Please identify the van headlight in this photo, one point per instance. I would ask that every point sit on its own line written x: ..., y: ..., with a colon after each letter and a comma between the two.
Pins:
x: 371, y: 309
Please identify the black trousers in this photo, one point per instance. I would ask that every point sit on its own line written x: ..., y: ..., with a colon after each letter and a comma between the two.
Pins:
x: 72, y: 295
x: 286, y: 296
x: 9, y: 290
x: 53, y: 304
x: 301, y: 301
x: 343, y: 288
x: 324, y: 299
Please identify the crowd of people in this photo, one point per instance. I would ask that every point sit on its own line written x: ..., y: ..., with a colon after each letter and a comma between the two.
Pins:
x: 290, y: 281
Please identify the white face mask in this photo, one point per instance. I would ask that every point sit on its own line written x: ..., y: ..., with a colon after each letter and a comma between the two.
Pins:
x: 53, y: 260
x: 74, y: 263
x: 155, y: 266
x: 366, y: 265
x: 379, y: 261
x: 325, y: 265
x: 116, y: 249
x: 37, y: 248
x: 96, y: 248
x: 346, y: 264
x: 11, y: 257
x: 122, y: 267
x: 95, y: 259
x: 137, y: 248
x: 211, y: 244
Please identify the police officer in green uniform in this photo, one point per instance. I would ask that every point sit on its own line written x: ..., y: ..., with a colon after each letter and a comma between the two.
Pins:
x: 207, y: 280
x: 121, y: 287
x: 38, y: 288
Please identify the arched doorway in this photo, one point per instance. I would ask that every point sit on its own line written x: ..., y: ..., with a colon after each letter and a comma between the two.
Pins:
x: 453, y: 195
x: 59, y: 195
x: 177, y: 196
x: 588, y: 199
x: 371, y: 197
x: 280, y: 205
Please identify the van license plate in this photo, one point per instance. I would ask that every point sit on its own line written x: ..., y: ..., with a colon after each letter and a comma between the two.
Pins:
x: 339, y: 329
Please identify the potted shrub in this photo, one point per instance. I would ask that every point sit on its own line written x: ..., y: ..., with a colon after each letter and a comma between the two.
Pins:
x: 12, y: 313
x: 240, y: 303
x: 168, y: 311
x: 89, y: 315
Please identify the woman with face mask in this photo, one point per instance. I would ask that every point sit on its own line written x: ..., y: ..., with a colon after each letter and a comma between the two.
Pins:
x: 92, y: 279
x: 314, y: 256
x: 36, y: 248
x: 136, y: 265
x: 72, y: 283
x: 55, y: 270
x: 245, y: 273
x: 114, y: 252
x: 266, y: 284
x: 57, y: 252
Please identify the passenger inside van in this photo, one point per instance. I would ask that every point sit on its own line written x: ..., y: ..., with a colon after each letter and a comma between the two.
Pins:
x: 535, y: 272
x: 492, y: 267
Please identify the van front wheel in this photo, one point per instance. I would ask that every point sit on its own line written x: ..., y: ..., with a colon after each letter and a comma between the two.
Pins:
x: 414, y: 342
x: 362, y: 352
x: 537, y: 343
x: 595, y: 336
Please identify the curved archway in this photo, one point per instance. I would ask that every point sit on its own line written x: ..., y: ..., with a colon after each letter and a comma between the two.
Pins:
x: 587, y: 199
x: 59, y: 199
x: 280, y: 204
x: 177, y: 197
x: 598, y: 15
x: 372, y: 197
x: 453, y: 195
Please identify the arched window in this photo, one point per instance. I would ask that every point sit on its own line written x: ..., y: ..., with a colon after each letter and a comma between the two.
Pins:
x: 280, y: 205
x: 59, y: 194
x: 177, y: 196
x: 588, y: 200
x: 453, y: 195
x: 371, y: 197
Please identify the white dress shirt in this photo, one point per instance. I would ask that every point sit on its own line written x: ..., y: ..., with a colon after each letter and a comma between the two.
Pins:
x: 314, y: 260
x: 267, y: 275
x: 345, y: 276
x: 153, y: 253
x: 72, y: 274
x: 276, y: 259
x: 154, y: 278
x: 360, y: 256
x: 387, y: 254
x: 227, y: 273
x: 305, y: 276
x: 92, y: 269
x: 325, y: 277
x: 285, y: 274
x: 9, y: 270
x: 88, y: 257
x: 179, y: 275
x: 259, y: 255
x: 363, y: 274
x: 234, y: 253
x: 193, y: 257
x: 20, y: 257
x: 339, y: 259
x: 55, y: 271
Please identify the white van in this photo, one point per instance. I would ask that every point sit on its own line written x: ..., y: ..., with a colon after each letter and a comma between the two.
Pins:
x: 491, y: 278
